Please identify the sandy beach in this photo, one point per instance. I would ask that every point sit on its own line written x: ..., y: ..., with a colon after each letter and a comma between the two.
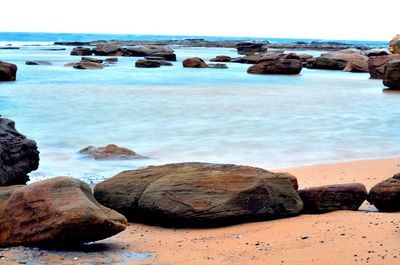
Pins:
x: 342, y: 237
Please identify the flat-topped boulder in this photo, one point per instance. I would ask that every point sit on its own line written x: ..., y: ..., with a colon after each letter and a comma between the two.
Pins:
x: 110, y: 152
x: 394, y: 45
x: 90, y: 59
x: 147, y: 64
x: 107, y: 49
x: 279, y: 66
x: 81, y: 51
x: 391, y: 76
x: 111, y: 49
x: 18, y: 155
x: 199, y: 194
x: 194, y: 62
x: 8, y: 71
x: 85, y: 65
x: 221, y: 59
x: 386, y: 195
x: 330, y: 198
x: 58, y: 211
x: 335, y: 60
x: 248, y: 48
x: 377, y: 64
x: 38, y: 63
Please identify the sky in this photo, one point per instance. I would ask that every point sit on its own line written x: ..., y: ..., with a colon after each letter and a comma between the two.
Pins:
x: 321, y: 19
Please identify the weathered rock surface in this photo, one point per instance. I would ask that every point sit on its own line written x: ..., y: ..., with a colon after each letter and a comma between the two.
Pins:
x: 394, y: 45
x: 81, y: 51
x: 221, y: 59
x: 87, y: 65
x: 386, y: 195
x: 377, y: 64
x: 376, y: 52
x: 391, y: 76
x: 199, y: 194
x: 336, y: 60
x: 333, y: 197
x: 38, y: 63
x: 194, y: 62
x: 6, y: 191
x: 147, y: 64
x: 248, y: 48
x: 90, y: 59
x: 110, y: 152
x: 58, y: 211
x: 280, y: 66
x: 359, y: 66
x: 8, y: 71
x: 18, y: 155
x: 110, y: 49
x: 289, y: 176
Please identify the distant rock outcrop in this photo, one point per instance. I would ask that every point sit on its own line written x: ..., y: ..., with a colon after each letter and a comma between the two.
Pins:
x: 248, y: 48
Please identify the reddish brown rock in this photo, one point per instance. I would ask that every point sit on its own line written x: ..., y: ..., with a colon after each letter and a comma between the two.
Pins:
x: 57, y: 211
x: 280, y: 66
x: 194, y: 62
x: 87, y: 65
x: 289, y: 176
x: 386, y: 195
x: 394, y: 45
x: 248, y: 48
x: 111, y: 60
x: 90, y: 59
x: 335, y: 60
x: 333, y: 197
x: 8, y: 71
x: 221, y: 59
x: 391, y: 77
x: 5, y: 192
x: 81, y: 51
x: 377, y: 64
x: 147, y: 64
x: 359, y: 66
x: 199, y: 194
x: 110, y: 152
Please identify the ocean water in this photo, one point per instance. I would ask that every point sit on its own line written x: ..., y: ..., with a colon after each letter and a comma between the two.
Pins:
x: 173, y: 114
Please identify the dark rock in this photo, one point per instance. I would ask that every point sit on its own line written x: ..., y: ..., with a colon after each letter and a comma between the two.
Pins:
x: 394, y: 45
x: 199, y: 194
x: 110, y: 152
x: 93, y: 60
x: 335, y: 60
x: 217, y: 66
x: 18, y: 155
x: 38, y: 63
x: 167, y: 56
x: 106, y: 49
x: 147, y: 64
x: 9, y: 48
x: 86, y: 65
x: 377, y: 64
x: 305, y: 57
x: 248, y: 48
x: 359, y: 66
x: 386, y: 195
x: 58, y: 211
x: 111, y: 60
x: 333, y: 197
x: 81, y: 51
x: 376, y: 52
x: 280, y: 66
x: 194, y: 62
x: 290, y: 56
x: 154, y: 58
x: 8, y: 71
x: 221, y: 59
x: 289, y: 176
x: 391, y: 77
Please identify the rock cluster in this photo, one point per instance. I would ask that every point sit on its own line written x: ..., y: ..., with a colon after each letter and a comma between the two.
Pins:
x: 351, y: 60
x: 288, y: 64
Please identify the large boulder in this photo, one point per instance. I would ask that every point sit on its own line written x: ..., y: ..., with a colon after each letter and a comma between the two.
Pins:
x: 376, y: 52
x: 106, y: 49
x: 18, y: 155
x: 386, y: 195
x: 110, y: 152
x: 58, y: 211
x: 391, y: 77
x: 248, y: 48
x: 8, y: 71
x: 147, y: 64
x: 377, y: 64
x: 280, y: 66
x: 333, y: 197
x: 194, y: 62
x: 81, y: 51
x: 199, y: 194
x: 394, y: 45
x: 359, y: 66
x: 335, y: 60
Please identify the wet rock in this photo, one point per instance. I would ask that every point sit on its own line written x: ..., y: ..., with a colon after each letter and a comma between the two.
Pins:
x: 333, y: 197
x: 377, y: 64
x: 111, y: 60
x: 147, y: 64
x: 280, y: 66
x: 376, y: 52
x: 81, y: 51
x: 8, y: 71
x: 221, y: 59
x: 58, y: 211
x: 18, y: 155
x: 194, y: 62
x: 110, y: 152
x: 386, y: 195
x: 248, y: 48
x: 168, y: 56
x: 217, y: 65
x: 38, y: 63
x: 87, y: 65
x: 93, y: 60
x: 199, y: 194
x: 335, y: 60
x: 106, y: 49
x: 304, y: 57
x: 391, y: 77
x: 359, y: 66
x: 394, y: 45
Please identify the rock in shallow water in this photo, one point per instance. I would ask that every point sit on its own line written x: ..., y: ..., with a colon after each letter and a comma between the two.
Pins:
x: 194, y: 62
x: 8, y: 71
x: 279, y: 66
x: 386, y: 195
x: 391, y: 76
x: 18, y: 155
x: 58, y: 211
x: 110, y: 152
x: 377, y: 64
x: 81, y: 51
x: 38, y: 63
x: 199, y: 194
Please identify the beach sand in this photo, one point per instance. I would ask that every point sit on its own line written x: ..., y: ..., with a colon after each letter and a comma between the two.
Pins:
x: 342, y: 237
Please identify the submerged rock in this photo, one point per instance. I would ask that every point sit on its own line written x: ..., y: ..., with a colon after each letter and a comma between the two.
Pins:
x: 81, y: 51
x: 18, y: 155
x: 58, y: 211
x: 199, y: 194
x: 8, y: 71
x: 391, y: 77
x: 194, y: 62
x: 87, y: 65
x: 333, y: 197
x: 386, y: 195
x: 38, y: 63
x: 110, y: 152
x: 394, y: 45
x: 111, y: 60
x: 93, y: 60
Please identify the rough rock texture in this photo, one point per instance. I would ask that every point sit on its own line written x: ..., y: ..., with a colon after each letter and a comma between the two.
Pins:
x: 194, y: 62
x: 217, y: 66
x: 359, y: 66
x: 333, y: 197
x: 147, y: 64
x: 377, y: 64
x: 110, y: 152
x: 248, y: 48
x: 87, y: 65
x: 57, y: 211
x: 289, y: 176
x: 199, y: 194
x: 81, y: 51
x: 105, y: 49
x: 90, y: 59
x: 391, y: 77
x: 38, y: 63
x: 8, y: 71
x: 18, y: 155
x: 335, y: 60
x: 221, y: 59
x: 280, y: 66
x: 394, y: 45
x: 5, y: 192
x: 386, y: 195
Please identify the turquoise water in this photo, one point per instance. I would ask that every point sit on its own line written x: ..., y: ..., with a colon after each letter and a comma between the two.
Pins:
x: 172, y: 114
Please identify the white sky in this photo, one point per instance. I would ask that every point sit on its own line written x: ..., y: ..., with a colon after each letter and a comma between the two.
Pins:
x: 337, y: 19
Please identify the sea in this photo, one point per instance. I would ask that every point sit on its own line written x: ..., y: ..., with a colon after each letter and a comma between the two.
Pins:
x: 175, y: 114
